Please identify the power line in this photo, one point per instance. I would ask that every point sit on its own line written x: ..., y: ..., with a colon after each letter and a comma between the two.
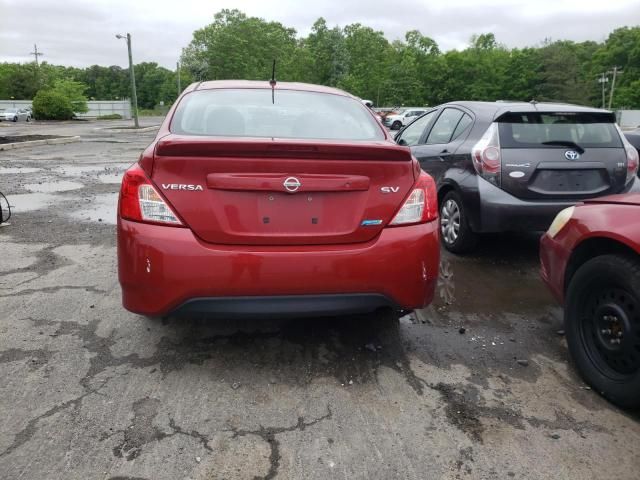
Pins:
x: 615, y: 71
x: 36, y: 53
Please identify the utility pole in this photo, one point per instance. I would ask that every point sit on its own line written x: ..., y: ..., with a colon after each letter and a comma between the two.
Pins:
x: 134, y: 97
x: 178, y: 72
x: 36, y: 53
x: 615, y: 71
x: 603, y: 79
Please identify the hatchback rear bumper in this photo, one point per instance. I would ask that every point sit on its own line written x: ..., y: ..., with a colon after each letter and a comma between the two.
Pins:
x: 163, y: 270
x: 500, y: 211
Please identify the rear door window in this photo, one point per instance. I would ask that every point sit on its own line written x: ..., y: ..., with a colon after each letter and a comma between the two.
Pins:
x: 463, y: 124
x: 444, y: 127
x: 558, y: 130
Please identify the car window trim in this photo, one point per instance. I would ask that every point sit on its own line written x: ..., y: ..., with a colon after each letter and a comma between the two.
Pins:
x: 398, y: 135
x: 463, y: 110
x: 457, y: 125
x: 434, y: 124
x: 427, y: 127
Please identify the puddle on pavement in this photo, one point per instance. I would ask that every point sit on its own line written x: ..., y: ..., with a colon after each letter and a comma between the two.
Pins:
x: 78, y: 170
x: 502, y: 279
x: 107, y: 173
x: 101, y: 209
x: 112, y: 177
x: 17, y: 170
x: 28, y: 202
x: 52, y: 187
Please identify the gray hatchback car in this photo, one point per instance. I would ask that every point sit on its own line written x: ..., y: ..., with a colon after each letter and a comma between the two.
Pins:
x: 512, y: 166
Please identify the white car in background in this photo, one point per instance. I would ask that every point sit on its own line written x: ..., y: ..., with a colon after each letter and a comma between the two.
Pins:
x: 15, y: 115
x: 404, y: 118
x: 369, y: 104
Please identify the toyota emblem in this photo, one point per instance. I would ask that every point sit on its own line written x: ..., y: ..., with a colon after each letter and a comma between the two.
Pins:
x: 571, y: 155
x: 291, y: 184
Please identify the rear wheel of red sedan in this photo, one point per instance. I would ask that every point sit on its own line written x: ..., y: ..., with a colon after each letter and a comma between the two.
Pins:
x: 602, y: 318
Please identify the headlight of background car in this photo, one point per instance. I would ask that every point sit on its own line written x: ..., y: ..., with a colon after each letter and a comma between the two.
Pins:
x: 560, y: 221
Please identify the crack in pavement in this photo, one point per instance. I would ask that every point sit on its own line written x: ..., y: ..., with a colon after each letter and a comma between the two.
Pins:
x: 142, y: 431
x: 55, y: 289
x: 24, y: 435
x: 268, y: 434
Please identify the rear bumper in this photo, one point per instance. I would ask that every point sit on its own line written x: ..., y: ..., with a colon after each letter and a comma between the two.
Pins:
x: 285, y: 305
x: 500, y: 211
x: 165, y: 269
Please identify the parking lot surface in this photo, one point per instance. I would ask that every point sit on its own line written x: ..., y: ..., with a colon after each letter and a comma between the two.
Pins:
x: 478, y: 385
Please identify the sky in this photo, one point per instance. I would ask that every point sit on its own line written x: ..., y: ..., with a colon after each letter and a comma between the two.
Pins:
x: 82, y: 32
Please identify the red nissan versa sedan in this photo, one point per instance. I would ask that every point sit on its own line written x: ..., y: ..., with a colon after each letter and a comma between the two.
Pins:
x: 591, y: 261
x: 253, y: 200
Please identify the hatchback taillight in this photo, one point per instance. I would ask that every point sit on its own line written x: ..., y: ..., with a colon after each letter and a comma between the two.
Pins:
x: 421, y: 205
x: 141, y: 202
x: 632, y: 156
x: 486, y: 155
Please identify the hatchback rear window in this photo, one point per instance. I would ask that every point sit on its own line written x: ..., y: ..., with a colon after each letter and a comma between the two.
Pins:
x: 289, y: 114
x: 558, y: 130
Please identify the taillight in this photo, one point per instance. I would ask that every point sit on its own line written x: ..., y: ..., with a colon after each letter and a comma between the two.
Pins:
x: 141, y: 202
x: 632, y: 156
x: 486, y: 155
x: 421, y: 205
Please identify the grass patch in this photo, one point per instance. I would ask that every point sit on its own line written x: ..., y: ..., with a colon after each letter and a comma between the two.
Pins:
x: 112, y: 116
x: 155, y: 112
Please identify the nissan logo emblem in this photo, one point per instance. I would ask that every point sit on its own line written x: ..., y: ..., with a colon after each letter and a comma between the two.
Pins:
x: 291, y: 184
x: 571, y: 155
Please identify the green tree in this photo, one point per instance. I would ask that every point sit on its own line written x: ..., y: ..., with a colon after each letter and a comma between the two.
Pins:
x: 369, y: 60
x: 235, y: 46
x: 74, y: 91
x: 52, y: 105
x: 326, y: 54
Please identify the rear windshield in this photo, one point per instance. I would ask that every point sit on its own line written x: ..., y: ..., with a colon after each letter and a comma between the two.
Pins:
x: 290, y: 114
x: 558, y: 130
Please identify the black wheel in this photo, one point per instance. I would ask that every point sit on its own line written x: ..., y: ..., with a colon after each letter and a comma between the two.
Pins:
x: 28, y: 119
x: 602, y: 324
x: 396, y: 125
x: 456, y: 234
x: 15, y: 119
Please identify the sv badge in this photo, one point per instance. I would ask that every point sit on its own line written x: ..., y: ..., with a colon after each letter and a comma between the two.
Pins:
x: 389, y: 189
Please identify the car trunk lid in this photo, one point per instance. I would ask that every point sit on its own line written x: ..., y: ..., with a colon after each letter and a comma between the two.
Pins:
x: 256, y: 191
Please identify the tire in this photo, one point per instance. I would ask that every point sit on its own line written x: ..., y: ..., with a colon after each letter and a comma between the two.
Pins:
x: 455, y: 231
x: 28, y: 119
x: 15, y: 119
x: 602, y: 324
x: 397, y: 125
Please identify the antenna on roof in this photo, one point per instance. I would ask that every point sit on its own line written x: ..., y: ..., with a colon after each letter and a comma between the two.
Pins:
x: 272, y: 82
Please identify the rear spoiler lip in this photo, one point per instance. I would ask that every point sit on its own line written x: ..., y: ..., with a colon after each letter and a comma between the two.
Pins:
x: 610, y: 116
x: 204, y: 146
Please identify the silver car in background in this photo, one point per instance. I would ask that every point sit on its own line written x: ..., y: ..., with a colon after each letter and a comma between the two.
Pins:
x: 15, y: 115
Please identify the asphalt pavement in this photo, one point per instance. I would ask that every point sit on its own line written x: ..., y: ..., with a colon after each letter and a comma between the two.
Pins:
x: 479, y: 385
